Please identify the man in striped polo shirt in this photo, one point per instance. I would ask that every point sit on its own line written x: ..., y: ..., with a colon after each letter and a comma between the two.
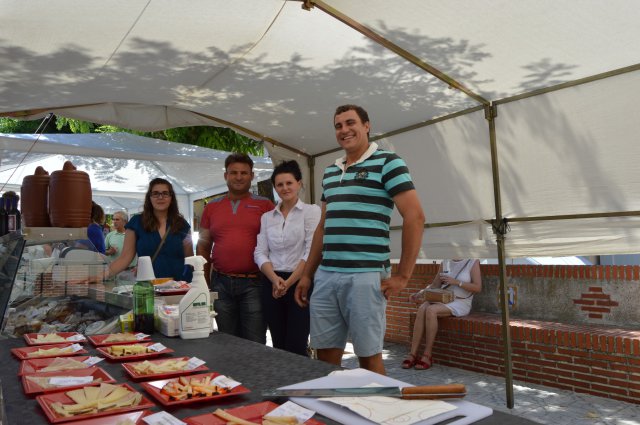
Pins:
x: 350, y: 250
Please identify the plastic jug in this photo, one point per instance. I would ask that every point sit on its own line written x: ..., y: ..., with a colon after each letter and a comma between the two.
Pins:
x: 195, y: 319
x: 34, y: 193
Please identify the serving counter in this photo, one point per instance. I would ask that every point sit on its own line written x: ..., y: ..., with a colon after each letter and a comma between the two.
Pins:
x: 52, y: 280
x: 256, y: 366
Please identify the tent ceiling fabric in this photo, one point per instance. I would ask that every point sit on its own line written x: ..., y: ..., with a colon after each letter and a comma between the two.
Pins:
x: 120, y: 165
x: 277, y: 72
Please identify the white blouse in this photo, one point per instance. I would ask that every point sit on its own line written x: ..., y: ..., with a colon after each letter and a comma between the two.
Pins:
x: 284, y: 242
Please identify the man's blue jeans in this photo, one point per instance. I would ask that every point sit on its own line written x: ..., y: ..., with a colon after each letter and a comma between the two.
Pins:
x: 239, y: 307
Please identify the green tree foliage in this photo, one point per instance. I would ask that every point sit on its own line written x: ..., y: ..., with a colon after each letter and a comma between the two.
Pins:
x: 75, y: 126
x: 8, y: 125
x: 218, y: 138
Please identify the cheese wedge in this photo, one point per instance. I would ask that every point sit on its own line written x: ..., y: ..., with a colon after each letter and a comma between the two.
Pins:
x: 63, y: 363
x: 130, y: 399
x: 106, y: 389
x: 78, y: 396
x: 49, y: 352
x: 60, y: 410
x: 116, y: 395
x: 92, y: 393
x: 42, y: 338
x: 126, y: 350
x: 121, y: 337
x: 75, y: 409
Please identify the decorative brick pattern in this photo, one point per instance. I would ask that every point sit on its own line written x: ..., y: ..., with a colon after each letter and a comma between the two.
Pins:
x: 595, y: 303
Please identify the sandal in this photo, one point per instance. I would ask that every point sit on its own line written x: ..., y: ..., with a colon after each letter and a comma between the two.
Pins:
x: 423, y: 365
x: 408, y: 363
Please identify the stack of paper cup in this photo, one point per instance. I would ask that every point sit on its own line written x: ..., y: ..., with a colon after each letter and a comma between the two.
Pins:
x: 145, y: 269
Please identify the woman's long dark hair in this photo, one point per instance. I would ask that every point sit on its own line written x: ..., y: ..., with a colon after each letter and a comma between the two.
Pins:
x: 174, y: 218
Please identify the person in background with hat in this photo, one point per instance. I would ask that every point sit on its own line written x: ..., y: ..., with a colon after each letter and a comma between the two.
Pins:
x: 228, y: 232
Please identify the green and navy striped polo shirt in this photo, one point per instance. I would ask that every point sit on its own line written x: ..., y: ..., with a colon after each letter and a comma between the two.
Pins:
x: 358, y: 211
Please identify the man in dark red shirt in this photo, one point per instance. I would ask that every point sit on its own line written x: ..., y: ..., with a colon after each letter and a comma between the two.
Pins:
x: 230, y: 225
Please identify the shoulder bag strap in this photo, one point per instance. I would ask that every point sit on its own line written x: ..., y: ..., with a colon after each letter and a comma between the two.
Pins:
x: 464, y: 267
x: 164, y: 238
x: 457, y: 274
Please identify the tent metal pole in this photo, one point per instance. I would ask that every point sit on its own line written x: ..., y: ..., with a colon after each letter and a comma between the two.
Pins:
x: 574, y: 83
x: 251, y: 133
x: 535, y: 218
x: 311, y: 163
x: 491, y: 112
x: 409, y: 128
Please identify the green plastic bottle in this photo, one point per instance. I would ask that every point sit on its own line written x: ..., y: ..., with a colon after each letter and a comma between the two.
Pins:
x: 143, y: 307
x: 143, y: 297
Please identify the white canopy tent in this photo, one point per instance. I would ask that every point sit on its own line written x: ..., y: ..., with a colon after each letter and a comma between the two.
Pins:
x: 120, y: 166
x: 524, y: 111
x: 278, y: 72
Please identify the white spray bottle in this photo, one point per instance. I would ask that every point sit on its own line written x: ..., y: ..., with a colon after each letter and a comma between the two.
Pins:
x: 195, y: 319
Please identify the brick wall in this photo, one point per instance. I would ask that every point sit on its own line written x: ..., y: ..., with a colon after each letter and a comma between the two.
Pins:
x: 587, y: 359
x: 585, y: 356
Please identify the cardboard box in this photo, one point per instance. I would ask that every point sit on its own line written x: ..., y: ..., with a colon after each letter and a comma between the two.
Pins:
x: 126, y: 322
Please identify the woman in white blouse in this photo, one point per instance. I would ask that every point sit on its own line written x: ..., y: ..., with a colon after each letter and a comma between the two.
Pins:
x: 281, y: 252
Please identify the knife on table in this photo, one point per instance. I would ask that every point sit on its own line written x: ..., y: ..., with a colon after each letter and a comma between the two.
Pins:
x: 424, y: 392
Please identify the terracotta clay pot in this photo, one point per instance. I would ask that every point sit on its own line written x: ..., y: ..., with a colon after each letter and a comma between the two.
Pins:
x: 69, y: 197
x: 34, y: 193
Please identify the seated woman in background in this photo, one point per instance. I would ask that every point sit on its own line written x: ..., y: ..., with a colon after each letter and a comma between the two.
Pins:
x: 160, y: 232
x: 463, y: 279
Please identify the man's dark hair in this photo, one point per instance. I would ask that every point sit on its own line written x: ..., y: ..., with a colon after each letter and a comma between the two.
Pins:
x: 284, y: 167
x: 364, y: 117
x: 238, y: 157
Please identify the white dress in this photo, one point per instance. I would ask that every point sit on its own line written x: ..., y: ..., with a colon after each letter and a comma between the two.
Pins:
x: 461, y: 270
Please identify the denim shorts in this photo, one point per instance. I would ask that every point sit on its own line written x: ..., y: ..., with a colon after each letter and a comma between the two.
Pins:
x: 347, y: 305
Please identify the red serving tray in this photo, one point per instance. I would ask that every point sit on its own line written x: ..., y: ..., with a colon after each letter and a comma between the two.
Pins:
x: 251, y: 413
x: 128, y: 367
x: 31, y: 338
x: 22, y: 353
x: 105, y: 352
x: 154, y: 388
x: 34, y: 365
x: 46, y: 400
x: 135, y: 417
x: 98, y: 340
x: 31, y: 387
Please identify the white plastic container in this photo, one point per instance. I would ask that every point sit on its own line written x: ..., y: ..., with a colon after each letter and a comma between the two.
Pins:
x: 195, y: 318
x: 168, y: 319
